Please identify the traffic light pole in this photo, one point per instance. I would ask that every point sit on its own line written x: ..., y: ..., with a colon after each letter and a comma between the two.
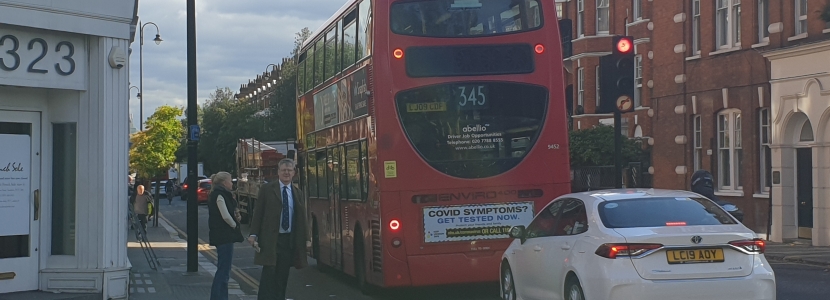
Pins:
x: 192, y: 143
x: 617, y: 150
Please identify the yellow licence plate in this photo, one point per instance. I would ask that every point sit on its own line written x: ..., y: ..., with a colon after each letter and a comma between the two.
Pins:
x: 690, y: 256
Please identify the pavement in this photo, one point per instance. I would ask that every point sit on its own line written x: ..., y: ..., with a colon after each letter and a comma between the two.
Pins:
x: 170, y: 280
x: 798, y: 251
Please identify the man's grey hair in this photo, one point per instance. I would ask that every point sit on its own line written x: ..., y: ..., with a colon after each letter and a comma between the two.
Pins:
x: 287, y: 162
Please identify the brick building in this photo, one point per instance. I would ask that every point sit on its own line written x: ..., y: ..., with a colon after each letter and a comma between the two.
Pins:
x: 261, y: 90
x: 703, y: 84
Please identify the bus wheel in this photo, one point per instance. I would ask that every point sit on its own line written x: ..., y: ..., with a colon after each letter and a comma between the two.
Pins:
x: 360, y: 265
x: 315, y: 240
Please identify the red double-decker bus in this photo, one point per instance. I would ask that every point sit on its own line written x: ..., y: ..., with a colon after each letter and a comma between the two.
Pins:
x: 427, y: 129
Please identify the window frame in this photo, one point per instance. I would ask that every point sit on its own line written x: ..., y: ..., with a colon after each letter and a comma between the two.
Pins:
x: 801, y: 23
x: 730, y: 26
x: 598, y: 91
x: 763, y: 20
x: 764, y: 150
x: 696, y: 27
x: 638, y: 80
x: 580, y: 18
x: 636, y: 10
x: 606, y: 10
x: 697, y: 143
x: 580, y: 87
x: 731, y: 136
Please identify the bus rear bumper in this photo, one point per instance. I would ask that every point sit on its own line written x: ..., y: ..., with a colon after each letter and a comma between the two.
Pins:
x: 455, y: 268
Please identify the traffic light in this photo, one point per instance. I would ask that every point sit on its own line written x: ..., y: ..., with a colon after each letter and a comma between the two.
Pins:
x: 617, y: 77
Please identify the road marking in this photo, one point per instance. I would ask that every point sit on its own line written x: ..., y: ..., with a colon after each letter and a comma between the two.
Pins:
x: 207, y: 250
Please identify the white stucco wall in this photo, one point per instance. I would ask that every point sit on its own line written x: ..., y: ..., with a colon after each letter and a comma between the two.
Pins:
x: 800, y: 91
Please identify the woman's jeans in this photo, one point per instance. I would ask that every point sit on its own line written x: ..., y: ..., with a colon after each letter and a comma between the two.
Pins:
x: 219, y: 290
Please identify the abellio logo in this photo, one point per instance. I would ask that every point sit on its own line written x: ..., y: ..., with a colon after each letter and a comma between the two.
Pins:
x: 476, y: 128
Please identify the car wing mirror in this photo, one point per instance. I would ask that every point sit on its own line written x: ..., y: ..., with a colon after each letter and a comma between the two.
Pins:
x: 518, y: 232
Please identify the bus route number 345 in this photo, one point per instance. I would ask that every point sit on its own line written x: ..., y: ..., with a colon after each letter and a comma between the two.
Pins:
x: 471, y: 96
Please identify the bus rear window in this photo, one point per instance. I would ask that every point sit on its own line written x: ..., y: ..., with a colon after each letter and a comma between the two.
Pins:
x: 459, y: 18
x: 473, y: 129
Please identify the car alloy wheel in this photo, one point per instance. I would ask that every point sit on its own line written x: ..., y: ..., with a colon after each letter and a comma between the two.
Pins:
x: 575, y: 291
x: 508, y: 290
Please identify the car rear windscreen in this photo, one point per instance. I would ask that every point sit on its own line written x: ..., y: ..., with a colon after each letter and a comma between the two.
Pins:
x: 663, y: 211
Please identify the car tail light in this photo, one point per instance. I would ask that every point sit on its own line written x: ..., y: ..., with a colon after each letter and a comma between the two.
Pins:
x: 394, y: 225
x: 615, y: 250
x: 753, y: 245
x: 184, y: 186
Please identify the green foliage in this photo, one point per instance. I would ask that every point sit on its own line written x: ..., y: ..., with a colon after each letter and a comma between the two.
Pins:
x: 595, y: 147
x: 154, y: 149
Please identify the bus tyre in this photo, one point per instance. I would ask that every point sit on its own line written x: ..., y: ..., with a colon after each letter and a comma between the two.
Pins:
x: 573, y: 290
x: 508, y: 287
x: 360, y: 267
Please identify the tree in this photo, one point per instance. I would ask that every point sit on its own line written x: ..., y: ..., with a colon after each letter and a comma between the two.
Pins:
x: 224, y: 121
x: 154, y: 149
x: 595, y: 147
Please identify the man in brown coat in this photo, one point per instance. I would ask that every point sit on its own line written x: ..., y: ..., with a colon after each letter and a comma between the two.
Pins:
x: 279, y: 232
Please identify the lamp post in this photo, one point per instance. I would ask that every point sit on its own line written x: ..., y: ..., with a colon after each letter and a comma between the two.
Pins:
x: 141, y: 71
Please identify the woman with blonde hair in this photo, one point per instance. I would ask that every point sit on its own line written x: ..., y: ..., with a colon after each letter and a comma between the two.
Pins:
x: 224, y: 231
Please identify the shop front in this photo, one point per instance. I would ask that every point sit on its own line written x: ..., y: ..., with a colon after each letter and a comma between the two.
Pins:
x: 63, y: 146
x: 800, y: 88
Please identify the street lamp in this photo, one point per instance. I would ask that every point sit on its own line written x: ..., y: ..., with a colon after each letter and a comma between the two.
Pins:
x: 141, y: 72
x: 128, y: 103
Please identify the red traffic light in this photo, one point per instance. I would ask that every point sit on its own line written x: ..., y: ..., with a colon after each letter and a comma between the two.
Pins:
x: 624, y: 45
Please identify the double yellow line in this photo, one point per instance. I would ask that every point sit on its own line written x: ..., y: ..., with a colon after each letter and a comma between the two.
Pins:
x: 205, y: 249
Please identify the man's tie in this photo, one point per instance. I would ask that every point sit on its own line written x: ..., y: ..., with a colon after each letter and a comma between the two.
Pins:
x: 285, y: 208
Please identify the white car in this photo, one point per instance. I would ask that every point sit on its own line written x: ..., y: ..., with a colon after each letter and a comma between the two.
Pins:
x: 635, y: 244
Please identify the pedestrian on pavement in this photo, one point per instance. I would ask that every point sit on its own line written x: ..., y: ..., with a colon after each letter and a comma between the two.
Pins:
x: 140, y: 200
x: 224, y: 231
x: 279, y: 231
x: 169, y: 191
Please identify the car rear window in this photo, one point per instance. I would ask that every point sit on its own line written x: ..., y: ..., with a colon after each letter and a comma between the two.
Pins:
x: 204, y: 185
x: 658, y: 212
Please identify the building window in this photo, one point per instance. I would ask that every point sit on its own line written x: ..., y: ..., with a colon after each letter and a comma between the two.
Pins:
x: 736, y: 25
x: 698, y: 143
x: 730, y: 155
x: 64, y: 171
x: 763, y: 20
x: 603, y: 23
x: 696, y: 27
x: 560, y: 10
x: 728, y: 23
x: 597, y: 81
x: 638, y: 80
x: 800, y: 16
x: 580, y: 86
x: 637, y: 10
x: 580, y: 18
x: 765, y: 152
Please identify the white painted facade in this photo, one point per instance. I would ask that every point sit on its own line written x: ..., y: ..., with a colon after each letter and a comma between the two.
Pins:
x: 800, y: 113
x: 66, y: 62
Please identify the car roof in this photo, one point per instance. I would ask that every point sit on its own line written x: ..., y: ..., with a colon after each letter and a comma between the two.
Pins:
x: 204, y: 180
x: 624, y: 194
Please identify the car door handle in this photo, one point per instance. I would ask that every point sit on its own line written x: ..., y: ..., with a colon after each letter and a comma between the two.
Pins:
x: 537, y: 248
x: 565, y: 246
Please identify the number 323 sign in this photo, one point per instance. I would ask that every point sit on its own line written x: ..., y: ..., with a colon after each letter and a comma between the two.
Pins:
x: 48, y: 59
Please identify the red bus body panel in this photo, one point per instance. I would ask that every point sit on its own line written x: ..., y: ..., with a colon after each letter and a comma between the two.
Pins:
x: 415, y: 262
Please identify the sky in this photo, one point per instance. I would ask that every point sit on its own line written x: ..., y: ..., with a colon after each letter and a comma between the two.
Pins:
x: 235, y: 41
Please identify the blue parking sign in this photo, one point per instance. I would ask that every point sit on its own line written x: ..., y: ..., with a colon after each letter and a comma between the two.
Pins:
x: 194, y: 132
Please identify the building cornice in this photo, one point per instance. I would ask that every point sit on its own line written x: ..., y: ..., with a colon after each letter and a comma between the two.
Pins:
x: 586, y: 54
x: 803, y: 49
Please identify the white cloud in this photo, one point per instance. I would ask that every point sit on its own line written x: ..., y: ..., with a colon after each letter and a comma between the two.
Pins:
x: 236, y: 40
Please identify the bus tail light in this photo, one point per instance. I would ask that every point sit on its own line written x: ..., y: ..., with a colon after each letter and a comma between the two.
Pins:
x: 396, y: 242
x: 398, y: 53
x: 394, y: 225
x: 539, y: 48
